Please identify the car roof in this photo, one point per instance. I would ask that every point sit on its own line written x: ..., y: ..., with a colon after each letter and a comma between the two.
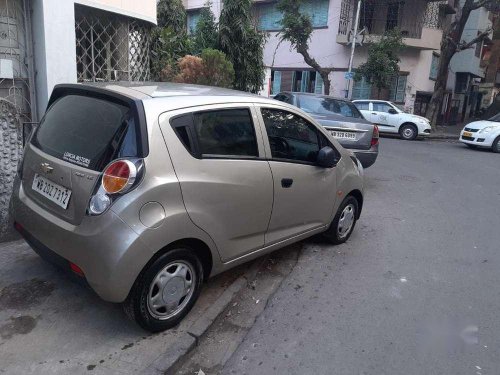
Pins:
x: 372, y: 100
x: 313, y: 94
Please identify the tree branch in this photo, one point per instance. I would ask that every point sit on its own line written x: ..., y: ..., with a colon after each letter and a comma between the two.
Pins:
x: 477, y: 39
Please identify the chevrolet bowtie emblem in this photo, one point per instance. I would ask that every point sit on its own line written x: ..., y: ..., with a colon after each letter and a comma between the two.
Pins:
x: 46, y: 168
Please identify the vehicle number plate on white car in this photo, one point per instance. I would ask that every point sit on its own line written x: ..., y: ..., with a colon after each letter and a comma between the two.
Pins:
x: 343, y: 135
x: 54, y: 192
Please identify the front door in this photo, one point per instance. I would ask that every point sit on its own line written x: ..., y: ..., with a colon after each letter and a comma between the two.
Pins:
x: 226, y: 182
x: 304, y: 193
x: 381, y: 116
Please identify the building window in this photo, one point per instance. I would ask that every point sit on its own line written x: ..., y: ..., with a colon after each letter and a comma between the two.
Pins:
x: 361, y: 89
x: 296, y: 80
x: 269, y: 17
x: 110, y: 47
x: 397, y: 91
x: 392, y: 16
x: 193, y: 16
x: 434, y: 67
x: 462, y: 83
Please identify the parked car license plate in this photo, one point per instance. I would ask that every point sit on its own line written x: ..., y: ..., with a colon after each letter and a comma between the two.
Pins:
x: 467, y: 134
x: 54, y: 192
x: 343, y: 135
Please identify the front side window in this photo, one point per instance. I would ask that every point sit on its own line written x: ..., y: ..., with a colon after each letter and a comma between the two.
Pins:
x: 225, y: 132
x: 327, y: 106
x: 290, y: 136
x: 381, y: 107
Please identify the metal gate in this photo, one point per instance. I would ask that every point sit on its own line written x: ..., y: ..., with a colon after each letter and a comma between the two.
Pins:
x: 111, y: 47
x: 16, y: 95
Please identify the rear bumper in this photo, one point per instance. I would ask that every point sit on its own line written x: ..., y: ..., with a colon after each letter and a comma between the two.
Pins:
x: 105, y: 248
x: 368, y: 157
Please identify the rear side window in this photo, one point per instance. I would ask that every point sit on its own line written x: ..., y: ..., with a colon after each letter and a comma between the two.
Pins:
x: 87, y: 131
x: 362, y: 106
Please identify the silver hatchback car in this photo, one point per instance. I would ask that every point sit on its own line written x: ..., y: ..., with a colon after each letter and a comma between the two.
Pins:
x: 143, y: 191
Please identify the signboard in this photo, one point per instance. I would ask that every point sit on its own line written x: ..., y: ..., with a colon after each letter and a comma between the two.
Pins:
x: 349, y: 75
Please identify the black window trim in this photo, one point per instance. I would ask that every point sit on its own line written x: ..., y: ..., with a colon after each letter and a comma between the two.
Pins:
x: 318, y: 132
x: 193, y: 139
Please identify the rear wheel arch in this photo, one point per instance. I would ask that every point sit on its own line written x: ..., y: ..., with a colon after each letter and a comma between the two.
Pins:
x: 359, y: 197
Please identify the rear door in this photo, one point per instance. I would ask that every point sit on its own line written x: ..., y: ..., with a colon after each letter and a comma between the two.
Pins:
x: 82, y: 131
x: 304, y: 193
x: 226, y: 182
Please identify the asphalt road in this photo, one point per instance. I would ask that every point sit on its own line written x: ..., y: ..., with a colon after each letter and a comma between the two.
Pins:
x: 415, y: 291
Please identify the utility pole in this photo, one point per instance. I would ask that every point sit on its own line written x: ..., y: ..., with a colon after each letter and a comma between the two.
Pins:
x: 353, y: 49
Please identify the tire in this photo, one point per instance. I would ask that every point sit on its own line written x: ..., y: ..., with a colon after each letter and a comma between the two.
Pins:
x: 140, y: 305
x: 408, y: 132
x: 496, y: 146
x: 335, y: 234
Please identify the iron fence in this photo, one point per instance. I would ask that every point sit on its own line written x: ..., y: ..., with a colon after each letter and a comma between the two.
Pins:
x: 111, y: 47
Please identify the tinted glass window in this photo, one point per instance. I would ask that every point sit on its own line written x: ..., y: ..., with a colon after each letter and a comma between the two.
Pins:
x: 226, y: 132
x: 362, y: 106
x: 495, y: 118
x: 381, y: 107
x: 290, y: 136
x: 283, y: 98
x: 324, y: 106
x: 87, y: 131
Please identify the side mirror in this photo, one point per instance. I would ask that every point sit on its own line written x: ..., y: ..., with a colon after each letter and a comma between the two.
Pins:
x: 392, y: 111
x: 327, y: 157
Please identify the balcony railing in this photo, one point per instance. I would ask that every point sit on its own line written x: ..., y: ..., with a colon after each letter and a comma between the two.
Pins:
x: 380, y: 16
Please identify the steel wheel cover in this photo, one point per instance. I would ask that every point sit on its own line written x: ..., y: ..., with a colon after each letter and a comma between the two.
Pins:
x: 171, y: 289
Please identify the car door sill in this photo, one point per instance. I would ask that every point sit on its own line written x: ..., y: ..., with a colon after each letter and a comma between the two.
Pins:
x: 277, y: 245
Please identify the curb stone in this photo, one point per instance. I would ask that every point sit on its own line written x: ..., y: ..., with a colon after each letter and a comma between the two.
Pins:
x: 190, y: 339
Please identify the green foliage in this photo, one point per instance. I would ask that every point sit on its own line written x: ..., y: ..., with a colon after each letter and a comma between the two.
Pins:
x: 171, y: 13
x: 382, y: 63
x: 206, y: 34
x: 212, y: 69
x: 169, y: 39
x: 297, y: 27
x: 168, y: 47
x: 243, y: 44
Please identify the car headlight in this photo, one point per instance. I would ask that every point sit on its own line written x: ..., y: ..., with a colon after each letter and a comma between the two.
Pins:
x: 487, y: 129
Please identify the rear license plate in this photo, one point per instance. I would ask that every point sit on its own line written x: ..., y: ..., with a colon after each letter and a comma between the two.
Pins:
x: 467, y: 134
x: 52, y: 191
x: 343, y: 135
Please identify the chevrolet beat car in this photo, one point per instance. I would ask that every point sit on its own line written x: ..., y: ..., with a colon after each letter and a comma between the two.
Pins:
x: 144, y: 191
x: 342, y: 120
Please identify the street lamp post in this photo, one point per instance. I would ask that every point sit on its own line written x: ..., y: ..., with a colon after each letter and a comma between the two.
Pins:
x: 353, y: 49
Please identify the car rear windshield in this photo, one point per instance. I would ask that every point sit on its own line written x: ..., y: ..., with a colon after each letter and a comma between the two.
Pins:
x: 326, y: 106
x: 87, y: 131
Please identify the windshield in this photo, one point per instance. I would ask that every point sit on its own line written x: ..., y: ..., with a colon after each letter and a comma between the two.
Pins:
x: 495, y: 118
x: 327, y: 106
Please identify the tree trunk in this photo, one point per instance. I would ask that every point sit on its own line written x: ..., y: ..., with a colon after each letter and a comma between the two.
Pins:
x: 326, y: 81
x: 450, y: 44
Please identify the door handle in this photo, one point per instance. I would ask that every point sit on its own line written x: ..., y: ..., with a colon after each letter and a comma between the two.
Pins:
x: 374, y: 113
x: 286, y: 182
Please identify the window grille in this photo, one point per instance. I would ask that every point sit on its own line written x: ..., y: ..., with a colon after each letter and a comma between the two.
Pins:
x: 111, y: 47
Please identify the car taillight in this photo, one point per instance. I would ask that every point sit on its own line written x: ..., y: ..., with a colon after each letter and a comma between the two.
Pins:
x: 119, y: 176
x: 375, y: 136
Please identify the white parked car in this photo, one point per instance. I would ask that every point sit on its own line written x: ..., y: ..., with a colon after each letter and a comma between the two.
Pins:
x: 484, y: 133
x: 391, y: 119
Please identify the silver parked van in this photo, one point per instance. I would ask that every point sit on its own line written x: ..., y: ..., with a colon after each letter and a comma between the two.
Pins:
x: 145, y: 190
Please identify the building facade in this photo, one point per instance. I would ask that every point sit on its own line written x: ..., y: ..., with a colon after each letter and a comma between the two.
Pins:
x: 46, y: 42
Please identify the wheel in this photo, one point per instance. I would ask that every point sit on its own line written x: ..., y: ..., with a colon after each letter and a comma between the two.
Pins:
x: 496, y: 145
x: 408, y: 132
x: 165, y: 291
x: 343, y: 224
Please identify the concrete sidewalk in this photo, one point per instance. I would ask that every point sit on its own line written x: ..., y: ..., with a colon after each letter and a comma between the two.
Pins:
x: 51, y: 325
x: 446, y: 132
